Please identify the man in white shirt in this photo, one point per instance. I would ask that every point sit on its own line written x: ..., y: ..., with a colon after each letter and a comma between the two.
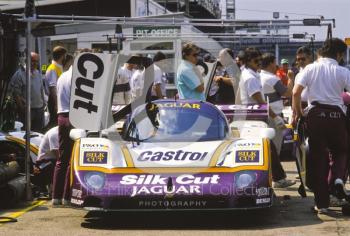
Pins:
x: 122, y: 89
x: 61, y: 179
x: 137, y: 82
x: 303, y: 58
x: 274, y: 89
x: 326, y: 121
x: 158, y: 88
x: 251, y: 93
x: 48, y: 148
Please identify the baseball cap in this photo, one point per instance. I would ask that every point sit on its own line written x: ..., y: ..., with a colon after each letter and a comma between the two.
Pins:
x: 284, y: 61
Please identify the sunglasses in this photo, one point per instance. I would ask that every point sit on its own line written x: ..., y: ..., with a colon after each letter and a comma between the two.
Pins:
x: 301, y: 59
x: 195, y: 54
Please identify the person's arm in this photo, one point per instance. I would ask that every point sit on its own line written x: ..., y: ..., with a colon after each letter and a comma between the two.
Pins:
x: 296, y: 103
x: 200, y: 88
x: 158, y: 90
x: 260, y: 100
x: 53, y: 96
x: 226, y: 80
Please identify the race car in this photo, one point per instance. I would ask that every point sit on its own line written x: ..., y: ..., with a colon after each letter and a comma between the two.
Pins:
x: 176, y: 154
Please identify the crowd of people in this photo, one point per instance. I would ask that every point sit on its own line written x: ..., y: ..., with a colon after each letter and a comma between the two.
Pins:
x: 314, y: 88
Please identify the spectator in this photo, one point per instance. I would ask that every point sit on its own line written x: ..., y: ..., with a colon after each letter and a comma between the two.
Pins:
x: 158, y: 88
x: 251, y: 93
x: 54, y: 71
x: 274, y: 90
x: 326, y: 122
x: 18, y: 91
x: 284, y: 73
x: 189, y: 81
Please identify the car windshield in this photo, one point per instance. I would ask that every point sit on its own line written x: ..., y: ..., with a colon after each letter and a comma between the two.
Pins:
x: 169, y: 124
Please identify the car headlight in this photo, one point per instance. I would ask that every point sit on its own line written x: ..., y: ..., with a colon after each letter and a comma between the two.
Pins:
x: 244, y: 180
x: 95, y: 180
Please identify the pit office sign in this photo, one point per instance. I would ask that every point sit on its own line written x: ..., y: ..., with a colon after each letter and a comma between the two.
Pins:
x: 91, y: 90
x: 156, y: 32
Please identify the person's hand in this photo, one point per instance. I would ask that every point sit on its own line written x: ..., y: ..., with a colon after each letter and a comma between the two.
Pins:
x: 279, y: 122
x: 295, y: 118
x: 217, y: 78
x: 290, y: 75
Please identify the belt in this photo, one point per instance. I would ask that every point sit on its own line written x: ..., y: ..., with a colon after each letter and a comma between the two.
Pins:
x: 121, y: 88
x: 326, y: 106
x: 64, y: 114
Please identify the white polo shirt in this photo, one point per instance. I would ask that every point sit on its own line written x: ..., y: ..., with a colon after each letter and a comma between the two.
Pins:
x: 304, y: 94
x: 326, y: 81
x: 249, y: 85
x: 160, y: 79
x: 137, y: 83
x: 63, y: 91
x: 48, y: 143
x: 273, y: 89
x: 51, y: 75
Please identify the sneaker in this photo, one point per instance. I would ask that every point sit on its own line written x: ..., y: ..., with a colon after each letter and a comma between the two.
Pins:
x: 65, y: 202
x: 283, y: 183
x: 321, y: 210
x: 340, y: 191
x: 335, y: 202
x: 56, y: 202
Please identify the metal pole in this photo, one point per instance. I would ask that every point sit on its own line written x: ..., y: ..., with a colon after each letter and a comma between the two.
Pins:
x: 147, y: 7
x: 277, y: 53
x: 28, y: 162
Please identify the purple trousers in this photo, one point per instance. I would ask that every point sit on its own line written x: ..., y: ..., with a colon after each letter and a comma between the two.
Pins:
x: 327, y: 135
x: 61, y: 177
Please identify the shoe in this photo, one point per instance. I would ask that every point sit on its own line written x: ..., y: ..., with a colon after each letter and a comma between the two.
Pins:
x: 65, y: 202
x: 321, y: 210
x: 283, y: 183
x: 340, y: 191
x: 335, y: 202
x: 56, y: 202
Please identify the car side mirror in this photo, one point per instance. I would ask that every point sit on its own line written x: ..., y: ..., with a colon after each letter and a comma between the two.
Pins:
x: 75, y: 134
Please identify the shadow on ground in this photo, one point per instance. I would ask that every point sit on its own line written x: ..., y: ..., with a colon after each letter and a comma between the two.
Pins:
x: 287, y: 212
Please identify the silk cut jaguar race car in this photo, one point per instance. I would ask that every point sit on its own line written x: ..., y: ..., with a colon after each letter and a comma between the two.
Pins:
x: 175, y: 155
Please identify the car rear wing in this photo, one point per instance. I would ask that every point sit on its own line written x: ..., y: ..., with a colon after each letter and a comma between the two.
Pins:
x: 245, y: 112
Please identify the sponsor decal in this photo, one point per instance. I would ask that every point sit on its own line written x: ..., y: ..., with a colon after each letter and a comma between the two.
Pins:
x: 76, y: 201
x: 263, y: 191
x: 171, y: 156
x: 95, y: 146
x: 76, y: 193
x: 175, y: 105
x: 95, y: 157
x: 158, y: 185
x: 247, y: 144
x: 263, y: 200
x: 172, y: 203
x: 247, y: 156
x: 85, y: 85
